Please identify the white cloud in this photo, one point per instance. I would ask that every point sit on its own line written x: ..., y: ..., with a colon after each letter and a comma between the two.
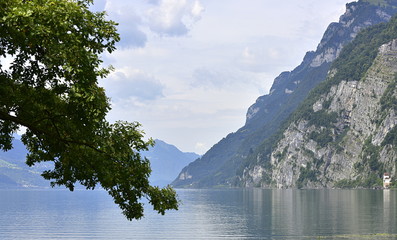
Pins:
x: 138, y: 19
x: 132, y: 85
x: 202, y: 63
x: 129, y: 21
x: 197, y: 10
x: 223, y: 79
x: 173, y: 17
x: 269, y: 57
x: 210, y: 78
x: 183, y: 118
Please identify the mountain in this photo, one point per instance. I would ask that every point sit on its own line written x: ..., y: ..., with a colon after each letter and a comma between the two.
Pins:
x: 166, y: 162
x: 345, y: 132
x: 14, y: 173
x: 223, y: 164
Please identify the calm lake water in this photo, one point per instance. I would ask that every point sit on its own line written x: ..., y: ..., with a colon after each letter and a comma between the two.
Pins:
x: 205, y: 214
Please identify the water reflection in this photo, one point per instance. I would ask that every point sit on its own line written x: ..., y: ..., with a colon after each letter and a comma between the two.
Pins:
x: 308, y: 213
x: 297, y: 214
x: 205, y: 214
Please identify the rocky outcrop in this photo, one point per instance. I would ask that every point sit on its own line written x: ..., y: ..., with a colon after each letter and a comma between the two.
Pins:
x: 351, y: 145
x: 358, y: 16
x: 329, y: 55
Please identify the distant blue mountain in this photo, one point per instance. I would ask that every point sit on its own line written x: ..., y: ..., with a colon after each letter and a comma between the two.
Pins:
x: 14, y: 173
x: 166, y: 162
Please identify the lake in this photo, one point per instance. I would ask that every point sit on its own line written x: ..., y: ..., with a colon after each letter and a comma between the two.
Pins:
x: 205, y: 214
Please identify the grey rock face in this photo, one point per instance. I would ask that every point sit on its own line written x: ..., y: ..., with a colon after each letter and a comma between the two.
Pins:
x: 360, y: 121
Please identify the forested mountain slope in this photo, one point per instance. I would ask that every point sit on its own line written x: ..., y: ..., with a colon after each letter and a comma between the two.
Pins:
x: 345, y: 133
x: 221, y: 164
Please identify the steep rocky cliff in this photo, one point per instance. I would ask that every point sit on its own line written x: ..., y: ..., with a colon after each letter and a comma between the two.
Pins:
x: 345, y: 133
x: 219, y: 166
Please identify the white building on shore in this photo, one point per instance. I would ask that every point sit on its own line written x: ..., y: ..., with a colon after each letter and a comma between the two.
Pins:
x: 386, y: 180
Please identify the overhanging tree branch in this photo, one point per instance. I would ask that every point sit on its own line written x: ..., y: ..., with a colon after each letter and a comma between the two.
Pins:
x: 57, y: 55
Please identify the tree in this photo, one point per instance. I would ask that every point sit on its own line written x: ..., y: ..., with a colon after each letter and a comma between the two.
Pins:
x: 51, y: 88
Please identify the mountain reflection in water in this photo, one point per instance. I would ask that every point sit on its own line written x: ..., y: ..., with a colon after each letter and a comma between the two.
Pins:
x: 204, y: 214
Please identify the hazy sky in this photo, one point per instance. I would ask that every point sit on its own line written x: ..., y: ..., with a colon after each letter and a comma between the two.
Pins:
x: 189, y: 69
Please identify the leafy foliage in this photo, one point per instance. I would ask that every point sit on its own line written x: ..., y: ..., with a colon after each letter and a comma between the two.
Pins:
x: 51, y: 88
x: 352, y: 63
x: 322, y: 138
x: 388, y: 99
x: 383, y: 3
x: 391, y: 138
x: 355, y: 59
x: 371, y: 155
x: 370, y: 168
x: 370, y: 181
x: 306, y: 174
x: 322, y: 118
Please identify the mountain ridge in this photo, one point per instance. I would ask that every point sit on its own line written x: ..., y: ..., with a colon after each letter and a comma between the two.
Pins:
x: 166, y: 161
x: 219, y: 166
x: 345, y: 134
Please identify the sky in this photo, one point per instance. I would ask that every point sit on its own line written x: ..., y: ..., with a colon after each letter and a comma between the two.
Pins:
x: 188, y: 70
